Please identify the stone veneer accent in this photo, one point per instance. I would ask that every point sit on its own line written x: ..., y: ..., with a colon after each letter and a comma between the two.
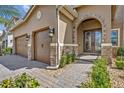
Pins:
x: 106, y: 50
x: 29, y: 48
x: 14, y: 46
x: 53, y: 55
x: 67, y: 49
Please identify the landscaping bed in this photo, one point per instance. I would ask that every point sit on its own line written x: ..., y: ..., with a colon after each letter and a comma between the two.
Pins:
x: 117, y: 73
x: 117, y: 77
x: 99, y: 77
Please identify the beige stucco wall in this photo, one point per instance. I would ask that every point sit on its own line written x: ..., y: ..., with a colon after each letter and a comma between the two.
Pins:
x: 65, y: 29
x: 48, y: 18
x: 32, y: 24
x: 86, y: 25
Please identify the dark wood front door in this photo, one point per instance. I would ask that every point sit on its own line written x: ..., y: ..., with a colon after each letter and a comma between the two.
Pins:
x: 92, y: 41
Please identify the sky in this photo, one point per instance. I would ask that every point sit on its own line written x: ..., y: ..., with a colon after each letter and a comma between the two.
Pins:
x: 23, y: 9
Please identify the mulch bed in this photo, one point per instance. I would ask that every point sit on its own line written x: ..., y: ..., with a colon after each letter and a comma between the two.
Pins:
x: 116, y: 76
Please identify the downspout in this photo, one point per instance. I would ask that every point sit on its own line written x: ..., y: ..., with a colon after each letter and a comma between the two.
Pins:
x: 58, y: 39
x: 58, y: 42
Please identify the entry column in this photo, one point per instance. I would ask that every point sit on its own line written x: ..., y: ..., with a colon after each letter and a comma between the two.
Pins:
x: 29, y: 43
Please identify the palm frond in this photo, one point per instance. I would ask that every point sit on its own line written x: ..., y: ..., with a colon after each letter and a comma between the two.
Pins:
x: 8, y: 11
x: 3, y: 20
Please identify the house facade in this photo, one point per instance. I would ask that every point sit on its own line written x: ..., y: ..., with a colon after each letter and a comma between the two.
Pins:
x: 10, y: 41
x: 47, y: 32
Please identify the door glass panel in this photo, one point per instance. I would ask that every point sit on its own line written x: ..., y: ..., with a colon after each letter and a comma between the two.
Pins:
x: 98, y: 41
x: 88, y: 41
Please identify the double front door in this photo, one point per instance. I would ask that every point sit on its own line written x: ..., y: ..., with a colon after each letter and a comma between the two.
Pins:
x: 92, y: 41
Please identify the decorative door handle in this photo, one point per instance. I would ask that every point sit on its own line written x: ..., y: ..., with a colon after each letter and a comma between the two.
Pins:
x: 42, y: 45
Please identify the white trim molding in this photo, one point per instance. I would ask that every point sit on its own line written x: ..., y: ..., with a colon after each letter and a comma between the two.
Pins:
x: 106, y: 44
x: 62, y: 44
x: 53, y: 44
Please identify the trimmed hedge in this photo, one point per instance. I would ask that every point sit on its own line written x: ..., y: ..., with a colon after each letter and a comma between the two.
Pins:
x: 67, y: 59
x: 99, y: 76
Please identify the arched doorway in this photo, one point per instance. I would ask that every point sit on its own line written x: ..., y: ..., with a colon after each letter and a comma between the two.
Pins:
x: 89, y: 36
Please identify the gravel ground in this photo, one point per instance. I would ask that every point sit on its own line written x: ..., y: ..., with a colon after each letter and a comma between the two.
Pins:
x: 116, y: 76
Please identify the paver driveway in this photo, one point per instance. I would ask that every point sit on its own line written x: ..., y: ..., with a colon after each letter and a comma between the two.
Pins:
x: 69, y: 76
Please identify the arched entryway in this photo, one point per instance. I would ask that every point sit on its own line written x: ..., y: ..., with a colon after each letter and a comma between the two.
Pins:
x: 89, y: 36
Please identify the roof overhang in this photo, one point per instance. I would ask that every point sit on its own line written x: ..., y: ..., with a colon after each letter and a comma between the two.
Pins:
x: 25, y: 18
x: 68, y: 12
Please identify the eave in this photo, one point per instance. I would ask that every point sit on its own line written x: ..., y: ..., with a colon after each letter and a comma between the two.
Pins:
x: 68, y: 12
x: 24, y: 20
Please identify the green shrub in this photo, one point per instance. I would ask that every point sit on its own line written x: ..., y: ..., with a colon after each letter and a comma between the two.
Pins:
x: 73, y: 57
x: 119, y: 64
x: 120, y: 58
x: 7, y: 83
x: 63, y: 61
x: 20, y: 81
x: 120, y: 51
x: 87, y: 85
x: 7, y: 51
x: 67, y: 59
x: 99, y: 76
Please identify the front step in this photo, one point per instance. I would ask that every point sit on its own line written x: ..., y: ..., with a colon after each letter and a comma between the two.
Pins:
x: 87, y: 54
x: 89, y: 58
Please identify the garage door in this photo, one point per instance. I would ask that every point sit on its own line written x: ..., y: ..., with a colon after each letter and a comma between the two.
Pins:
x: 42, y: 51
x: 21, y: 46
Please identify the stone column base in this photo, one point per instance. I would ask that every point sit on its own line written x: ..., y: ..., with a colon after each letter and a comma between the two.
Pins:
x: 53, y: 54
x: 29, y: 52
x: 106, y: 51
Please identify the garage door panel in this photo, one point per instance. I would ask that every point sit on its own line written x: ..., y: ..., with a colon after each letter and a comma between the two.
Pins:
x: 21, y: 46
x: 42, y: 46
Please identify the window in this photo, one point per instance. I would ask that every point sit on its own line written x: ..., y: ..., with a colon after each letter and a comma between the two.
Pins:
x: 10, y: 41
x: 114, y: 37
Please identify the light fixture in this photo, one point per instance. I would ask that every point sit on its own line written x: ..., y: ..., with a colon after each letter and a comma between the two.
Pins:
x: 27, y: 37
x: 51, y: 32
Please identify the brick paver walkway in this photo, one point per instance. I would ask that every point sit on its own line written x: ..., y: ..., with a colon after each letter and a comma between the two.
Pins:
x: 69, y: 76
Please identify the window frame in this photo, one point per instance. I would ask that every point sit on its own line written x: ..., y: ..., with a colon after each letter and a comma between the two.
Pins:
x: 118, y: 31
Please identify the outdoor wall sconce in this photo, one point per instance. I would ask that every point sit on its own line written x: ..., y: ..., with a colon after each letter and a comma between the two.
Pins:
x: 27, y: 37
x: 51, y: 33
